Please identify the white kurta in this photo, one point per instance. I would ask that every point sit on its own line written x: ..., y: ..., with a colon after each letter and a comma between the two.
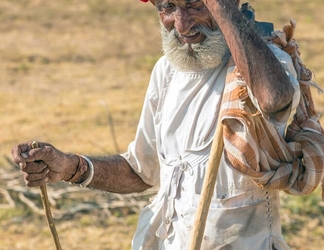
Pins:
x: 171, y: 149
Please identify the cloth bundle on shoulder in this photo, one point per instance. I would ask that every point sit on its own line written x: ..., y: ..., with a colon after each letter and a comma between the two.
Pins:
x: 295, y: 163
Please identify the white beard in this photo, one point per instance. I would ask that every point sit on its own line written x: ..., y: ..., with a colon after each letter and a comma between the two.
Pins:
x: 196, y: 56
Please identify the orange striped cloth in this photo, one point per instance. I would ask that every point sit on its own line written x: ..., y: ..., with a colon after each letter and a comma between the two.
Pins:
x: 253, y: 146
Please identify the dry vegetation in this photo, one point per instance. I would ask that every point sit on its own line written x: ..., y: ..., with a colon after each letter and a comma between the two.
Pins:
x: 64, y: 66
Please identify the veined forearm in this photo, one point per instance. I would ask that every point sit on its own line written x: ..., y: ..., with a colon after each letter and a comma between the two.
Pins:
x: 113, y: 174
x: 255, y: 61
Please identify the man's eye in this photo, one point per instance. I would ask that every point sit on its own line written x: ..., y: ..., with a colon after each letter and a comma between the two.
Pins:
x: 195, y: 3
x: 168, y: 7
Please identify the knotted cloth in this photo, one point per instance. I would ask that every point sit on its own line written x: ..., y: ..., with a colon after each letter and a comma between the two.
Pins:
x: 252, y: 144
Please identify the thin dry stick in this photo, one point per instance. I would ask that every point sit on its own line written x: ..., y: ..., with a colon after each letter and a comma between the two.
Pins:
x: 47, y: 209
x: 111, y: 126
x: 207, y: 189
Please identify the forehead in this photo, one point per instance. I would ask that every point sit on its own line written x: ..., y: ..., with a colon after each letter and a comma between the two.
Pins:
x: 156, y: 2
x: 178, y: 2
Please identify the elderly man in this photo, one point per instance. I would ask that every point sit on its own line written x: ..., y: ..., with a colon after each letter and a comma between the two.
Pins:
x: 176, y: 128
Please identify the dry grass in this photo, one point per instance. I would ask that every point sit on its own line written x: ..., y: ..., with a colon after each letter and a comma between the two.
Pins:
x: 64, y: 62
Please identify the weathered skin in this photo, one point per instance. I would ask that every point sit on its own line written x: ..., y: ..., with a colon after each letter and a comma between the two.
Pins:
x: 256, y: 63
x: 113, y: 173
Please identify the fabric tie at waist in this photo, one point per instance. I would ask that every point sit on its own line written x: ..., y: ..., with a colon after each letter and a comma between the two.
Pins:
x: 174, y: 174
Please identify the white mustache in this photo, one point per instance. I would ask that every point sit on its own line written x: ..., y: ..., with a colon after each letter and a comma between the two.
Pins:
x: 205, y: 55
x: 191, y: 33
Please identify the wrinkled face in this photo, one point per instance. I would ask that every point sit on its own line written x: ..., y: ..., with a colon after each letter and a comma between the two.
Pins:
x: 184, y: 15
x: 190, y: 36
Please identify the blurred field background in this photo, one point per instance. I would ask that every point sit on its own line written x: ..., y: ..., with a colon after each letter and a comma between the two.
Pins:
x: 73, y: 70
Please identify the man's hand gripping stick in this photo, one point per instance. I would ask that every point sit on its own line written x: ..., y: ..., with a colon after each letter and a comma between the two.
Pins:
x: 47, y: 209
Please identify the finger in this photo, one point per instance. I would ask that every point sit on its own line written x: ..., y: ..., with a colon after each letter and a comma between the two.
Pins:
x: 34, y: 167
x: 36, y: 179
x: 40, y: 154
x: 24, y: 155
x: 36, y: 183
x: 20, y: 153
x: 17, y: 152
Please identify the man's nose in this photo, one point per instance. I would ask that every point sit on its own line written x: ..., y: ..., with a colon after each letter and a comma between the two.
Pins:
x: 183, y: 21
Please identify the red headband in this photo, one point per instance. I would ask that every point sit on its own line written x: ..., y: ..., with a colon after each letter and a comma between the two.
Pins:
x: 152, y: 1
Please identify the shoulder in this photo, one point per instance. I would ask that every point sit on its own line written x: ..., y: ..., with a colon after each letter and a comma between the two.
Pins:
x: 162, y: 67
x: 160, y: 76
x: 288, y: 65
x: 284, y: 58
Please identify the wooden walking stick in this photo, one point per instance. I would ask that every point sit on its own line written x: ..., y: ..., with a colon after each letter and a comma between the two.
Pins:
x: 263, y: 29
x: 47, y: 209
x: 207, y: 188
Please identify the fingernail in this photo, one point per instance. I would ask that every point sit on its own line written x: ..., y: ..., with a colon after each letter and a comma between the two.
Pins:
x: 24, y: 155
x: 21, y: 165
